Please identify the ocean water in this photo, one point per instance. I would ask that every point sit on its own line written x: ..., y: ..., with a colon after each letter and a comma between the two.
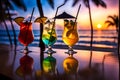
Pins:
x: 102, y: 38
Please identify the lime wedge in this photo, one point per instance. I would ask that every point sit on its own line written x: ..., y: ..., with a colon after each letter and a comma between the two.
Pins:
x: 41, y: 19
x: 18, y: 20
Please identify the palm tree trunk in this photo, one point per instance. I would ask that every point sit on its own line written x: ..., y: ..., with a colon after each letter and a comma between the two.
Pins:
x: 91, y: 33
x: 41, y: 44
x: 119, y: 39
x: 7, y: 32
x: 3, y: 19
x: 14, y: 34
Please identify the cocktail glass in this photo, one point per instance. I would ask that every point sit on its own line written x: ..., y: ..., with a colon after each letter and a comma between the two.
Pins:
x: 70, y: 35
x: 49, y: 36
x: 26, y: 34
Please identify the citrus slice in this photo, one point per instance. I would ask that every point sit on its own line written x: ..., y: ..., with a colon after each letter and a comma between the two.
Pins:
x: 18, y: 20
x: 19, y: 71
x: 41, y: 19
x: 66, y: 22
x: 69, y: 32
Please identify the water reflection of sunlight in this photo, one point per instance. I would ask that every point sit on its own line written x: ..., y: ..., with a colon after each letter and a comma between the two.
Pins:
x: 99, y: 33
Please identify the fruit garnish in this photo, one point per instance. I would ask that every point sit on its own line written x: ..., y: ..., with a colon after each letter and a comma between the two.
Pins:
x: 66, y: 22
x: 19, y: 71
x: 71, y: 34
x: 41, y: 19
x: 72, y: 23
x: 18, y: 20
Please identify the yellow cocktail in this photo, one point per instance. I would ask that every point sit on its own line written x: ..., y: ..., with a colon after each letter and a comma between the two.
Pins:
x: 70, y: 34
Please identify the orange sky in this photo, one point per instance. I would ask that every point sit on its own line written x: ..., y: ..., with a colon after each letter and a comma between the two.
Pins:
x: 99, y: 14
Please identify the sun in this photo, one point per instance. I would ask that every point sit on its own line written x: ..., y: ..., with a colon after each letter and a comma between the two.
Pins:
x: 99, y: 26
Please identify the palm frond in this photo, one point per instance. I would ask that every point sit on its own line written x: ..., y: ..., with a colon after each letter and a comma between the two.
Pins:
x: 4, y: 3
x: 111, y: 17
x: 51, y: 3
x: 109, y: 23
x: 65, y: 1
x: 75, y: 2
x: 99, y: 3
x: 114, y: 19
x: 85, y: 2
x: 20, y: 4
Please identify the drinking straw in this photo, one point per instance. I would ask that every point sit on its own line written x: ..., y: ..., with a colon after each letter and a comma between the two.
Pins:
x: 32, y: 14
x: 55, y: 19
x: 56, y: 14
x: 77, y: 15
x: 28, y: 25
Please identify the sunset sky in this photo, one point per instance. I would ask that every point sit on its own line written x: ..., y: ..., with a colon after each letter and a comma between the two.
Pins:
x: 99, y: 14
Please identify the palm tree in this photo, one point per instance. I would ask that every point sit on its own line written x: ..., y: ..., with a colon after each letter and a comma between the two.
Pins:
x: 112, y: 21
x: 2, y: 19
x: 41, y: 44
x: 87, y: 4
x: 7, y: 7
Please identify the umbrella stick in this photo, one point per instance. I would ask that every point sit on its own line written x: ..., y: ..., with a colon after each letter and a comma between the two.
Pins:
x: 77, y: 15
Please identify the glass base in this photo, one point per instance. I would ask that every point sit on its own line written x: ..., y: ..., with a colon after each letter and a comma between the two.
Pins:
x: 70, y: 51
x: 25, y: 50
x: 49, y: 51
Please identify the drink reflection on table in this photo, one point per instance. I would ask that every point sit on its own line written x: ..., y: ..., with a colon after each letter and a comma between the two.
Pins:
x: 25, y: 69
x: 70, y: 66
x: 49, y: 71
x: 49, y: 65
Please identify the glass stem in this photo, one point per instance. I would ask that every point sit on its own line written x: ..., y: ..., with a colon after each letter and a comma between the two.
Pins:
x: 26, y: 50
x: 49, y: 47
x: 70, y: 48
x: 71, y: 51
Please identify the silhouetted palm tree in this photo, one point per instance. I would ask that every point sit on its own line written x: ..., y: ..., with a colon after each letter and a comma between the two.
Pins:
x: 3, y: 17
x: 7, y: 6
x: 112, y: 21
x: 87, y: 4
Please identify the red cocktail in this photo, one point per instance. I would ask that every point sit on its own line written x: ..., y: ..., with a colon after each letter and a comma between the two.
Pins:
x: 26, y: 35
